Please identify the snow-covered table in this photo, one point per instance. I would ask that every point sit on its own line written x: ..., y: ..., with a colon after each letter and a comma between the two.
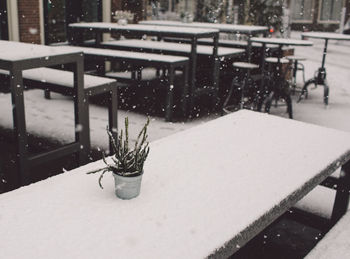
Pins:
x: 16, y: 57
x: 206, y: 191
x: 321, y: 74
x: 276, y: 87
x: 77, y: 31
x: 225, y: 28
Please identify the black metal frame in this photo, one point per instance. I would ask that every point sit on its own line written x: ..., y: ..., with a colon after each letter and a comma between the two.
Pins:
x: 139, y: 63
x: 81, y: 145
x: 319, y: 79
x: 78, y: 32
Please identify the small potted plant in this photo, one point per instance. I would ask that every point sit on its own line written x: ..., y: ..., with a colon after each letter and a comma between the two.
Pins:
x: 127, y: 166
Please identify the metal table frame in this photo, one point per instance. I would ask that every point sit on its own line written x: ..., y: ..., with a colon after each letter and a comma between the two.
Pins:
x: 78, y: 30
x: 321, y: 74
x: 170, y: 67
x: 81, y: 145
x: 277, y: 90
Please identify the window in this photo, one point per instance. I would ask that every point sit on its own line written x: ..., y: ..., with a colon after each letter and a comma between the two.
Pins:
x: 330, y: 10
x: 302, y: 10
x: 59, y: 13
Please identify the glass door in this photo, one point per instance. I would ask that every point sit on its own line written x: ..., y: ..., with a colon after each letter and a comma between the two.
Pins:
x: 60, y: 13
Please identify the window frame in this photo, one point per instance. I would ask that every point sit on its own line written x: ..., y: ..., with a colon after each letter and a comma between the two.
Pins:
x: 310, y: 21
x: 327, y: 21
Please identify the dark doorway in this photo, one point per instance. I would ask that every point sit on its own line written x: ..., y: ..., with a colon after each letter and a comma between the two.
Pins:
x: 60, y: 13
x: 4, y: 32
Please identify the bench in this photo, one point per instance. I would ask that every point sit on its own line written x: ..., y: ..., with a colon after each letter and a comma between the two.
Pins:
x: 138, y: 62
x: 59, y: 81
x: 335, y: 244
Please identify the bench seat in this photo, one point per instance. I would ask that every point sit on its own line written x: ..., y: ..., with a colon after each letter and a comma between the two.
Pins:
x: 336, y: 243
x: 62, y: 82
x: 139, y: 62
x: 170, y: 48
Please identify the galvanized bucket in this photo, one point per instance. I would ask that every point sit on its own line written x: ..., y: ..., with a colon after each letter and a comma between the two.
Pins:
x: 127, y: 187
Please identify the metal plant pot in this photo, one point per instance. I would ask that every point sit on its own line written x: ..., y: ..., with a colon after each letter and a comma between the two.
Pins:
x: 127, y: 187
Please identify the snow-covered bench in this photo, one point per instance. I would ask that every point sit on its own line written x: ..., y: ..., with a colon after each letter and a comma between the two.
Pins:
x: 139, y: 61
x: 336, y: 243
x: 59, y: 81
x: 170, y: 48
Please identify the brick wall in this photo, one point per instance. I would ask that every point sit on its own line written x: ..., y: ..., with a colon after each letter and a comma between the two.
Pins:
x: 29, y: 21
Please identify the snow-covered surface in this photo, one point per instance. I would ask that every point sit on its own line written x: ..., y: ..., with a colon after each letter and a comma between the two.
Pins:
x: 275, y: 60
x: 336, y: 242
x: 194, y: 196
x: 171, y: 46
x: 326, y: 35
x: 126, y: 54
x: 234, y: 28
x: 12, y: 51
x: 54, y: 119
x: 282, y: 41
x: 150, y: 29
x: 60, y: 77
x: 147, y: 74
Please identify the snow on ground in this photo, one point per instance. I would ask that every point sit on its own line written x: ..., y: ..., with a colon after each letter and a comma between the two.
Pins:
x: 54, y: 118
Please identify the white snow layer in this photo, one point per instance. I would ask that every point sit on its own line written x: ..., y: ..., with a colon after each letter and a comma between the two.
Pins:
x: 201, y: 188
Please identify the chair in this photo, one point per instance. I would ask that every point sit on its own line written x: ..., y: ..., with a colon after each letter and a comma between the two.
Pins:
x: 296, y: 66
x: 277, y: 87
x: 245, y: 84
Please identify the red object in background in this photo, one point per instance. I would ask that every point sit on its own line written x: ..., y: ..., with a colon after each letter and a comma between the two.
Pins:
x: 272, y: 30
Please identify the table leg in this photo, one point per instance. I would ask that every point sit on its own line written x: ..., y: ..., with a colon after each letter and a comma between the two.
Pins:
x: 169, y: 103
x: 192, y: 83
x: 184, y: 98
x: 341, y: 202
x: 262, y: 91
x: 320, y: 79
x: 113, y: 115
x: 19, y: 124
x: 216, y: 71
x: 81, y: 112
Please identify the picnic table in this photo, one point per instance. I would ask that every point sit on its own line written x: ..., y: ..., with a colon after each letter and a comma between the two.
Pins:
x: 204, y: 53
x: 206, y: 191
x: 16, y: 57
x: 77, y: 29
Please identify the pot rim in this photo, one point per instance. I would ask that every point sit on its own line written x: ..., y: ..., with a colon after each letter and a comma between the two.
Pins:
x: 130, y: 175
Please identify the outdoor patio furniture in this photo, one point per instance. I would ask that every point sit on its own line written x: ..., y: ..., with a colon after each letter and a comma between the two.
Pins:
x: 170, y: 63
x: 139, y: 30
x: 335, y: 244
x: 244, y: 83
x: 16, y: 57
x: 204, y: 57
x: 194, y: 205
x: 276, y: 86
x: 59, y: 81
x: 280, y: 86
x: 296, y: 66
x: 320, y: 75
x: 249, y: 30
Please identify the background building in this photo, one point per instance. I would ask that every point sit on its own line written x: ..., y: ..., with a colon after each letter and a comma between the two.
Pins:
x: 46, y: 21
x: 319, y: 14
